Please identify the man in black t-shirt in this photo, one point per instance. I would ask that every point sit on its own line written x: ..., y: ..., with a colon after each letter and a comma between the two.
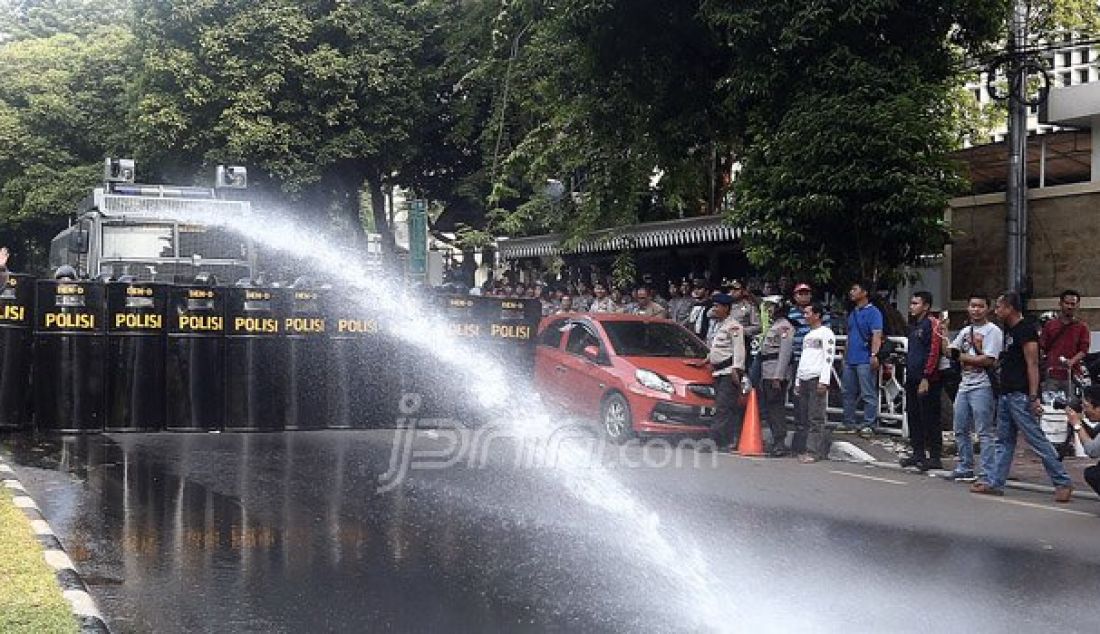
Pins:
x: 1018, y: 406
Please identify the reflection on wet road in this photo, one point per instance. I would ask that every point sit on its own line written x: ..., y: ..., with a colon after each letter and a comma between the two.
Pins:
x: 286, y: 533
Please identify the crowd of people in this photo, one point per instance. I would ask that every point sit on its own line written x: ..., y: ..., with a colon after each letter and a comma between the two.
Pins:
x: 995, y: 369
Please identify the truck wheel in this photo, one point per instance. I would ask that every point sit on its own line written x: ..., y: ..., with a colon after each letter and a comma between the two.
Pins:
x: 617, y: 419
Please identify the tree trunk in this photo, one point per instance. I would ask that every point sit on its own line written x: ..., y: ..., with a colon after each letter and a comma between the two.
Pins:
x: 381, y: 223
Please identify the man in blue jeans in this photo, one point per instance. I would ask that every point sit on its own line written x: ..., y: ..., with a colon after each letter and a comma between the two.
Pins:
x: 976, y: 348
x: 860, y: 377
x: 1019, y: 407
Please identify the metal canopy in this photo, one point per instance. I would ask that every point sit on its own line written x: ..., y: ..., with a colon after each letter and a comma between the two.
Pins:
x: 683, y: 232
x: 1057, y: 158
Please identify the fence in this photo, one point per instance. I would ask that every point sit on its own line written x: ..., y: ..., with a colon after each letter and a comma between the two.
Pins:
x: 891, y: 389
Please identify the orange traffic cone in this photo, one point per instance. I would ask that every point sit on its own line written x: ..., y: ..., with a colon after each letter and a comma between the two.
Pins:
x: 752, y: 438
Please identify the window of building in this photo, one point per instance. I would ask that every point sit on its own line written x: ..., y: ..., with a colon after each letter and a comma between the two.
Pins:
x: 1067, y: 58
x: 1083, y: 76
x: 1067, y: 79
x: 978, y: 95
x: 1085, y: 55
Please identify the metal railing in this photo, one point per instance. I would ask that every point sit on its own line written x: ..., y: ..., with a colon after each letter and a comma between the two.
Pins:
x: 892, y: 417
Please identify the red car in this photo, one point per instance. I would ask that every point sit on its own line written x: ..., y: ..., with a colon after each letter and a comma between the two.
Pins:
x: 630, y: 371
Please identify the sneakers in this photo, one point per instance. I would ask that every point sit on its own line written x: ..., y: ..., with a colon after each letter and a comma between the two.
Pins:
x: 866, y: 432
x: 911, y: 461
x: 961, y: 476
x: 985, y: 489
x: 1063, y: 494
x: 807, y: 459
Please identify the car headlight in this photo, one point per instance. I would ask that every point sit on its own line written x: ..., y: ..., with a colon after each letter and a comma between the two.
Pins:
x: 653, y: 381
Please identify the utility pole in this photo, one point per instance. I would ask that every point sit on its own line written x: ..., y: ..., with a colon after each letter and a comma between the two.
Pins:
x: 1018, y: 63
x: 1016, y: 192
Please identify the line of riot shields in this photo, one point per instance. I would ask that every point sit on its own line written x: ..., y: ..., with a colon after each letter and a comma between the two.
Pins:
x: 85, y: 357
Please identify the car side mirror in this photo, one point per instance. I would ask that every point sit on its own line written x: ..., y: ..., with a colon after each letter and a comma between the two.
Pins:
x: 592, y: 352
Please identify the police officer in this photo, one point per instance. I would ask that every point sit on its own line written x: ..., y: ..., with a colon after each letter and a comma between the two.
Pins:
x: 727, y: 362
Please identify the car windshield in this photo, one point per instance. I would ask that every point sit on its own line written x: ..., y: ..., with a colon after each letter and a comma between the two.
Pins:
x: 653, y: 339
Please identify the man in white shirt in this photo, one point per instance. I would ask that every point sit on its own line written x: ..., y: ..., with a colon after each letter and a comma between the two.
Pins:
x: 811, y: 441
x: 976, y: 348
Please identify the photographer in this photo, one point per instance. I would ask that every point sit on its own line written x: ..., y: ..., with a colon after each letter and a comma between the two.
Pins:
x: 1087, y: 408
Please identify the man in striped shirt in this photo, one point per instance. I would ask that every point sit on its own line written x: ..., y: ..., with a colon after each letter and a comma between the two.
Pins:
x: 803, y: 295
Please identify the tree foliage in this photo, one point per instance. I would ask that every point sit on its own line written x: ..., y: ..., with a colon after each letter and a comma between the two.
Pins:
x: 325, y: 98
x: 62, y: 109
x: 599, y: 96
x: 849, y: 124
x: 28, y: 19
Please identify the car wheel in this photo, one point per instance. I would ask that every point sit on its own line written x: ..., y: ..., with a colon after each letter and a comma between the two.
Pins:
x: 617, y: 419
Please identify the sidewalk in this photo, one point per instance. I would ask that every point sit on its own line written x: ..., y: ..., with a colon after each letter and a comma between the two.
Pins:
x: 1027, y: 470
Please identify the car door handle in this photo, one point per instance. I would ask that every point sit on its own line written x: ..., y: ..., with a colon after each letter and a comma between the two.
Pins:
x: 560, y: 368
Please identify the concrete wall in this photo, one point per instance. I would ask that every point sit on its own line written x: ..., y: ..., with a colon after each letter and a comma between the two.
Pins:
x: 1063, y: 247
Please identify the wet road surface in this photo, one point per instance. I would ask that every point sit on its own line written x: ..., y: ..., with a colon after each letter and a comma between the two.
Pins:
x: 288, y: 533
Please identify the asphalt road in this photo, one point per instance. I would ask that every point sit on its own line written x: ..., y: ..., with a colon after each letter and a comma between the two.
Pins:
x: 290, y: 533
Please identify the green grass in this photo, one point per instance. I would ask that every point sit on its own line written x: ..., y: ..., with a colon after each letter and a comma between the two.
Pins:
x: 30, y: 599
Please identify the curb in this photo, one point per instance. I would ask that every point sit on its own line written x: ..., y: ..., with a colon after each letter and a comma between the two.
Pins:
x: 1011, y: 484
x: 844, y: 451
x: 73, y: 588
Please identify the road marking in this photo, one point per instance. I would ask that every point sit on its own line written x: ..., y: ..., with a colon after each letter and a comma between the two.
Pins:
x: 1033, y: 505
x: 867, y: 477
x: 749, y: 458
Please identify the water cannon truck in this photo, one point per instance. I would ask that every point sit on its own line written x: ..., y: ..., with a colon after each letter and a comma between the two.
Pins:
x: 141, y: 231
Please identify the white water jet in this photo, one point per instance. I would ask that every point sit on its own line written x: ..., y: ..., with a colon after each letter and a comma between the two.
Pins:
x: 705, y: 601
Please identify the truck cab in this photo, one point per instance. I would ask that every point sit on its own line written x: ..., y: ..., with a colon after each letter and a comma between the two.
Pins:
x: 155, y: 233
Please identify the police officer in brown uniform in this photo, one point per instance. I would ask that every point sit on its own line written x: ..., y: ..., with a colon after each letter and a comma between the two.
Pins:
x: 727, y: 362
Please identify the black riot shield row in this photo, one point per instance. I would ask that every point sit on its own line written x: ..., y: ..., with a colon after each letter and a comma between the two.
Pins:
x: 16, y: 337
x: 130, y: 356
x: 502, y: 329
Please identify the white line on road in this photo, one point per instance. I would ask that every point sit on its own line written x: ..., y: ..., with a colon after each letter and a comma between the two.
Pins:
x: 1035, y: 506
x: 867, y: 477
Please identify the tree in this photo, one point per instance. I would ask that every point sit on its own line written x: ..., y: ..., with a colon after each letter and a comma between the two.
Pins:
x: 845, y: 170
x: 324, y: 98
x: 62, y: 110
x: 605, y: 98
x: 28, y: 19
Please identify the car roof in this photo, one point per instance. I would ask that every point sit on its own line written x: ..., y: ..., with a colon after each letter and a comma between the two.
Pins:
x: 601, y: 317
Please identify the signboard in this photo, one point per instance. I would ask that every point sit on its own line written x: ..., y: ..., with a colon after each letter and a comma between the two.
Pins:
x: 418, y: 239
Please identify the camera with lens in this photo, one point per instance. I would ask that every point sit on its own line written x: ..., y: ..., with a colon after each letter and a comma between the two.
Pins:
x: 953, y: 354
x: 1073, y: 404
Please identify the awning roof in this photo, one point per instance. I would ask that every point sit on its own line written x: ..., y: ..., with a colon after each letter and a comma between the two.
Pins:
x: 1067, y: 155
x: 685, y: 231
